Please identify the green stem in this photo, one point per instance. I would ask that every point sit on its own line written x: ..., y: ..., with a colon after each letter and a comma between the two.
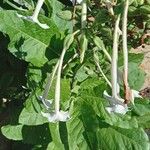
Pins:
x: 100, y: 69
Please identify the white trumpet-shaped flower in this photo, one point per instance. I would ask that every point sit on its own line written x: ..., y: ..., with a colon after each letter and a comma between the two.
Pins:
x: 34, y: 17
x: 130, y: 94
x: 116, y: 102
x: 57, y: 114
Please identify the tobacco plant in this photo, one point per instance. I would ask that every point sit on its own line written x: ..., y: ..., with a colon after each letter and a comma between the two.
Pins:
x: 79, y: 86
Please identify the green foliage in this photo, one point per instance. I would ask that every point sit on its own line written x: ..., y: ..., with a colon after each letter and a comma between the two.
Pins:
x: 90, y: 127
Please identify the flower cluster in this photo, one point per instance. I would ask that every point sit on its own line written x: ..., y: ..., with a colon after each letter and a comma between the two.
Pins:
x: 117, y: 104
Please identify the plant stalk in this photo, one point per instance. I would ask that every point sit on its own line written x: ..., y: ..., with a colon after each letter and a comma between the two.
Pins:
x: 57, y: 87
x: 49, y: 81
x: 37, y: 10
x: 84, y: 14
x: 115, y: 60
x: 125, y: 48
x: 100, y: 69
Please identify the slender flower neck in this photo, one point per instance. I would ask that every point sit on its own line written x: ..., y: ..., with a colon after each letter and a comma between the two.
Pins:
x: 125, y: 49
x: 37, y: 10
x: 115, y: 59
x: 57, y: 87
x: 84, y: 14
x: 49, y: 81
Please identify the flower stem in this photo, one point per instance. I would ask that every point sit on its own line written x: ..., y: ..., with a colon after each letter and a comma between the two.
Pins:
x: 125, y: 49
x: 49, y: 82
x: 57, y: 87
x: 73, y: 57
x: 100, y: 69
x: 115, y: 59
x: 37, y: 10
x: 84, y: 14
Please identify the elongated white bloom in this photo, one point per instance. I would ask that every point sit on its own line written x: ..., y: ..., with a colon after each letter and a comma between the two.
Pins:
x: 130, y: 94
x: 34, y: 17
x: 116, y: 102
x: 57, y: 115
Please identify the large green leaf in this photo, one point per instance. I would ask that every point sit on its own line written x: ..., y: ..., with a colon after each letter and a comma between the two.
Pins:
x: 110, y: 138
x: 12, y: 132
x: 136, y: 76
x: 75, y: 129
x: 31, y: 118
x: 55, y: 134
x: 27, y: 40
x: 55, y: 8
x: 29, y: 134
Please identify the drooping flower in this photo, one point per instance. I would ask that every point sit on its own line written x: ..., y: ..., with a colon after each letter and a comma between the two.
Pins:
x: 130, y: 94
x: 116, y: 102
x: 57, y: 114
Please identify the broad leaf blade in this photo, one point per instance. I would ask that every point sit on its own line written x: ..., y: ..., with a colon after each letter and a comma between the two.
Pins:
x: 27, y: 40
x: 124, y: 139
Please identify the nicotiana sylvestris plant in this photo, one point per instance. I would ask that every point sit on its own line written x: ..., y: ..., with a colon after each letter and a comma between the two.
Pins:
x: 116, y: 102
x: 34, y: 17
x: 57, y: 115
x: 130, y: 94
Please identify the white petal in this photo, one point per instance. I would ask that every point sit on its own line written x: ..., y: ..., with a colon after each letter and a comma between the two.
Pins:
x: 47, y: 103
x: 30, y: 18
x: 136, y: 94
x: 117, y: 109
x: 55, y: 117
x: 120, y: 109
x: 109, y: 109
x: 78, y: 1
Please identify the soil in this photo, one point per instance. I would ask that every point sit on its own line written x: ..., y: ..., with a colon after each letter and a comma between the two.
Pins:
x: 145, y: 64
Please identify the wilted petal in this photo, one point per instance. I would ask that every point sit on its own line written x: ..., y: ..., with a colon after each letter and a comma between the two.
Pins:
x: 47, y: 103
x: 121, y: 109
x: 135, y: 94
x: 30, y: 18
x: 55, y: 117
